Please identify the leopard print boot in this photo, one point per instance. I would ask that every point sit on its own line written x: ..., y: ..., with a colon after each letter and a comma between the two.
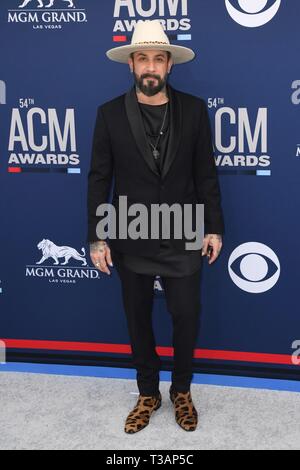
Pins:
x: 185, y: 413
x: 139, y: 417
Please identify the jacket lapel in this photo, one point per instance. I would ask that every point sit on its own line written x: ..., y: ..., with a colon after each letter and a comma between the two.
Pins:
x: 175, y: 129
x: 137, y: 127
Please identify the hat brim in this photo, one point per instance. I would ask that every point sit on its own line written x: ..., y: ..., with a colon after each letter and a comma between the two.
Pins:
x: 180, y: 54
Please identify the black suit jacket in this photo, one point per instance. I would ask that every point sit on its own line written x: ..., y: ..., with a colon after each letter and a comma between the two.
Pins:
x: 120, y: 151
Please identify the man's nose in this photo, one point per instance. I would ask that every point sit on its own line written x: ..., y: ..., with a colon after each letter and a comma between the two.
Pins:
x: 151, y: 67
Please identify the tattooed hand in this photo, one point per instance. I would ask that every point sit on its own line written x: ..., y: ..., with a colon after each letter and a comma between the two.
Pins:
x: 100, y: 255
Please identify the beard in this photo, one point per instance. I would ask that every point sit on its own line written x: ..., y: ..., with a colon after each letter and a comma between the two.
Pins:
x: 148, y: 85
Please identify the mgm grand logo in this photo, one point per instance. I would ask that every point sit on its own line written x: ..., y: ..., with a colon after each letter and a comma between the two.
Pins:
x: 49, y: 14
x: 41, y: 3
x: 61, y: 264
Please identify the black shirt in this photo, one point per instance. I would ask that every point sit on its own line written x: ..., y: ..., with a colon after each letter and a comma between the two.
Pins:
x: 153, y: 118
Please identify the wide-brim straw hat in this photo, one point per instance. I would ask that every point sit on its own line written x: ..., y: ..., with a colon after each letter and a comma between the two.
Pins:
x: 149, y: 34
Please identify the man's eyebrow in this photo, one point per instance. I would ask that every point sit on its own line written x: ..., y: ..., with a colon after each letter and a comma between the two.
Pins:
x: 156, y: 55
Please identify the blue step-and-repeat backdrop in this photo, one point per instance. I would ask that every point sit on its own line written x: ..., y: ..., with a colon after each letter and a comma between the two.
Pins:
x: 55, y: 306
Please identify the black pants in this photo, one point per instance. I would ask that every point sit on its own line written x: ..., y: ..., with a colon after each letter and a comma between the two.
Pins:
x: 183, y: 303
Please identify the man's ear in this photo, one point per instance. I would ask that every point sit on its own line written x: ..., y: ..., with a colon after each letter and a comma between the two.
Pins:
x: 130, y: 63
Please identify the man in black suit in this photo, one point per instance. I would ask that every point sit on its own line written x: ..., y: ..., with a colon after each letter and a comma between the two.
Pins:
x: 156, y: 142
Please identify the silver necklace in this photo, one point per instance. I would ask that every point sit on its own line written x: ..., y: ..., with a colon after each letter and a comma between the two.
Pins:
x: 155, y: 152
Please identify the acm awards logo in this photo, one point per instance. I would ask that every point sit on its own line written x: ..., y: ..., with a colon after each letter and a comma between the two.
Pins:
x: 241, y: 140
x: 42, y: 140
x: 173, y: 14
x: 47, y: 14
x: 57, y: 264
x: 2, y: 102
x: 252, y: 13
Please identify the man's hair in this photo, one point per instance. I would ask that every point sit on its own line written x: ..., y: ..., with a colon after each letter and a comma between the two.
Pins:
x: 168, y: 54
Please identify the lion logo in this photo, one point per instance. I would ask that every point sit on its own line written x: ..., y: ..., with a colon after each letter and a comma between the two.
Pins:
x: 51, y: 3
x: 50, y: 250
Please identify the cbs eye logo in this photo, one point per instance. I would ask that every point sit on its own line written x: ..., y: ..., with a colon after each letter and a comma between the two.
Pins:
x: 253, y: 14
x: 254, y: 267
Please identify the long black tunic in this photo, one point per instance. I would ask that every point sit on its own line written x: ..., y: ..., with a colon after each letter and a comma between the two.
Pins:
x: 167, y: 262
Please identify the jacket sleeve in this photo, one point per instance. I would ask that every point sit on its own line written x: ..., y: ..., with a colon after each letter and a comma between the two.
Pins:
x: 100, y: 174
x: 206, y: 177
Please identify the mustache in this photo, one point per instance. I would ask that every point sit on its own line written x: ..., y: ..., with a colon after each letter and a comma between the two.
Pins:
x: 150, y: 76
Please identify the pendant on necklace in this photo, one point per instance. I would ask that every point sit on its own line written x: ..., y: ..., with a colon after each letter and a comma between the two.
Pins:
x: 155, y: 153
